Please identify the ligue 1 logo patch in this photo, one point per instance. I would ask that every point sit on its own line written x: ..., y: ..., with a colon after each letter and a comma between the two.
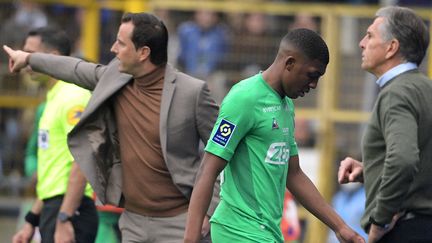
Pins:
x: 223, y: 133
x: 74, y: 114
x: 275, y: 125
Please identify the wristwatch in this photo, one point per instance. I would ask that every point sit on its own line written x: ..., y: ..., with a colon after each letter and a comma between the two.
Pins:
x: 373, y: 221
x: 64, y: 217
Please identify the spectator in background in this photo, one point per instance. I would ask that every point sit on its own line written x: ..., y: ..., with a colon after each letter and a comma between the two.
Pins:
x: 349, y: 204
x: 203, y: 43
x: 173, y: 42
x: 304, y: 20
x: 30, y: 14
x: 252, y: 49
x: 235, y: 22
x: 27, y: 15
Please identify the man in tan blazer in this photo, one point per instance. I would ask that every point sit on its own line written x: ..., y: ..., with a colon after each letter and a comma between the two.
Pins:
x: 138, y: 139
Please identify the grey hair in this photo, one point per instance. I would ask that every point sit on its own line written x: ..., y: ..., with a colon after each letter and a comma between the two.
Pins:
x: 404, y: 25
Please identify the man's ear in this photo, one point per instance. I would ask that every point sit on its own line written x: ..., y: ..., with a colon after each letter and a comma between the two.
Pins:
x: 144, y: 53
x: 54, y: 52
x: 289, y: 62
x: 392, y: 48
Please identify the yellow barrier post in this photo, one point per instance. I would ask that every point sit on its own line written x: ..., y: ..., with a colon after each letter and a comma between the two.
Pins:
x: 91, y: 31
x: 136, y: 6
x: 317, y: 231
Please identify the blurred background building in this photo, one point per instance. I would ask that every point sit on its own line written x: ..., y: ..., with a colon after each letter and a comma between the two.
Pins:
x: 221, y: 42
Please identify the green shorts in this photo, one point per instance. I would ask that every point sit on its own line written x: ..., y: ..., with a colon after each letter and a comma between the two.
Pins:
x: 221, y: 233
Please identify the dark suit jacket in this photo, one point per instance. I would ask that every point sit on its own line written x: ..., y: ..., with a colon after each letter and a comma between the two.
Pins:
x: 188, y: 114
x: 397, y: 150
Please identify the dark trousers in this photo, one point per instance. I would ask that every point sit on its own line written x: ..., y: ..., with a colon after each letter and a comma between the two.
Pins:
x: 414, y: 230
x: 85, y: 222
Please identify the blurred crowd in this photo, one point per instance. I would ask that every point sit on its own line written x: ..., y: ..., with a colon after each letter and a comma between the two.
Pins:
x: 219, y: 48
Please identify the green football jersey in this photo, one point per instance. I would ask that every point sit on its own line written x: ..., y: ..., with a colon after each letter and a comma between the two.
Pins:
x: 254, y: 133
x: 64, y: 105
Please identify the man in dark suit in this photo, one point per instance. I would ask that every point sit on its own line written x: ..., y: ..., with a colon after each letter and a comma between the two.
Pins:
x: 138, y: 139
x: 397, y: 145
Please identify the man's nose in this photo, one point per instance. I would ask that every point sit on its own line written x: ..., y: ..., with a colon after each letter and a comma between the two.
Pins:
x: 113, y: 48
x: 313, y: 84
x: 361, y: 43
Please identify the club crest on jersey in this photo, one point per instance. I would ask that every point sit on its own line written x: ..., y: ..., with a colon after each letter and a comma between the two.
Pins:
x: 223, y: 133
x: 43, y: 139
x: 74, y: 114
x: 275, y: 125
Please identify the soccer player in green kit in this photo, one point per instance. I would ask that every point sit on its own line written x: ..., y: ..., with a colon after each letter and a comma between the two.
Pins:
x: 253, y: 144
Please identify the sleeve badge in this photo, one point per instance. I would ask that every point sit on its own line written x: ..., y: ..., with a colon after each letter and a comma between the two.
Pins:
x: 74, y: 114
x: 223, y: 133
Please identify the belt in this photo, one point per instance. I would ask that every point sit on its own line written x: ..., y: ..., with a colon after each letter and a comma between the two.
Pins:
x: 413, y: 215
x: 58, y: 197
x: 408, y: 216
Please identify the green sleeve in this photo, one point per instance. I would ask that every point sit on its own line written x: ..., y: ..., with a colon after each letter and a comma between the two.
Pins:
x: 30, y: 160
x: 234, y: 122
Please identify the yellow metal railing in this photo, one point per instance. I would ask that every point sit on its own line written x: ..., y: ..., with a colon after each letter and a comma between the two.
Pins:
x: 14, y: 101
x: 92, y: 24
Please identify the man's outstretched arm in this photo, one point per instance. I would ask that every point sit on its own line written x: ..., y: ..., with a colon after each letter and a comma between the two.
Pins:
x: 66, y: 68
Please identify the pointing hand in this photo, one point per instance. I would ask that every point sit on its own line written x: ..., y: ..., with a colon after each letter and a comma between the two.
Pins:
x: 17, y: 59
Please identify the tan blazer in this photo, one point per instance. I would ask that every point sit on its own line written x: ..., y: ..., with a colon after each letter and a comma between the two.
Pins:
x: 188, y: 114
